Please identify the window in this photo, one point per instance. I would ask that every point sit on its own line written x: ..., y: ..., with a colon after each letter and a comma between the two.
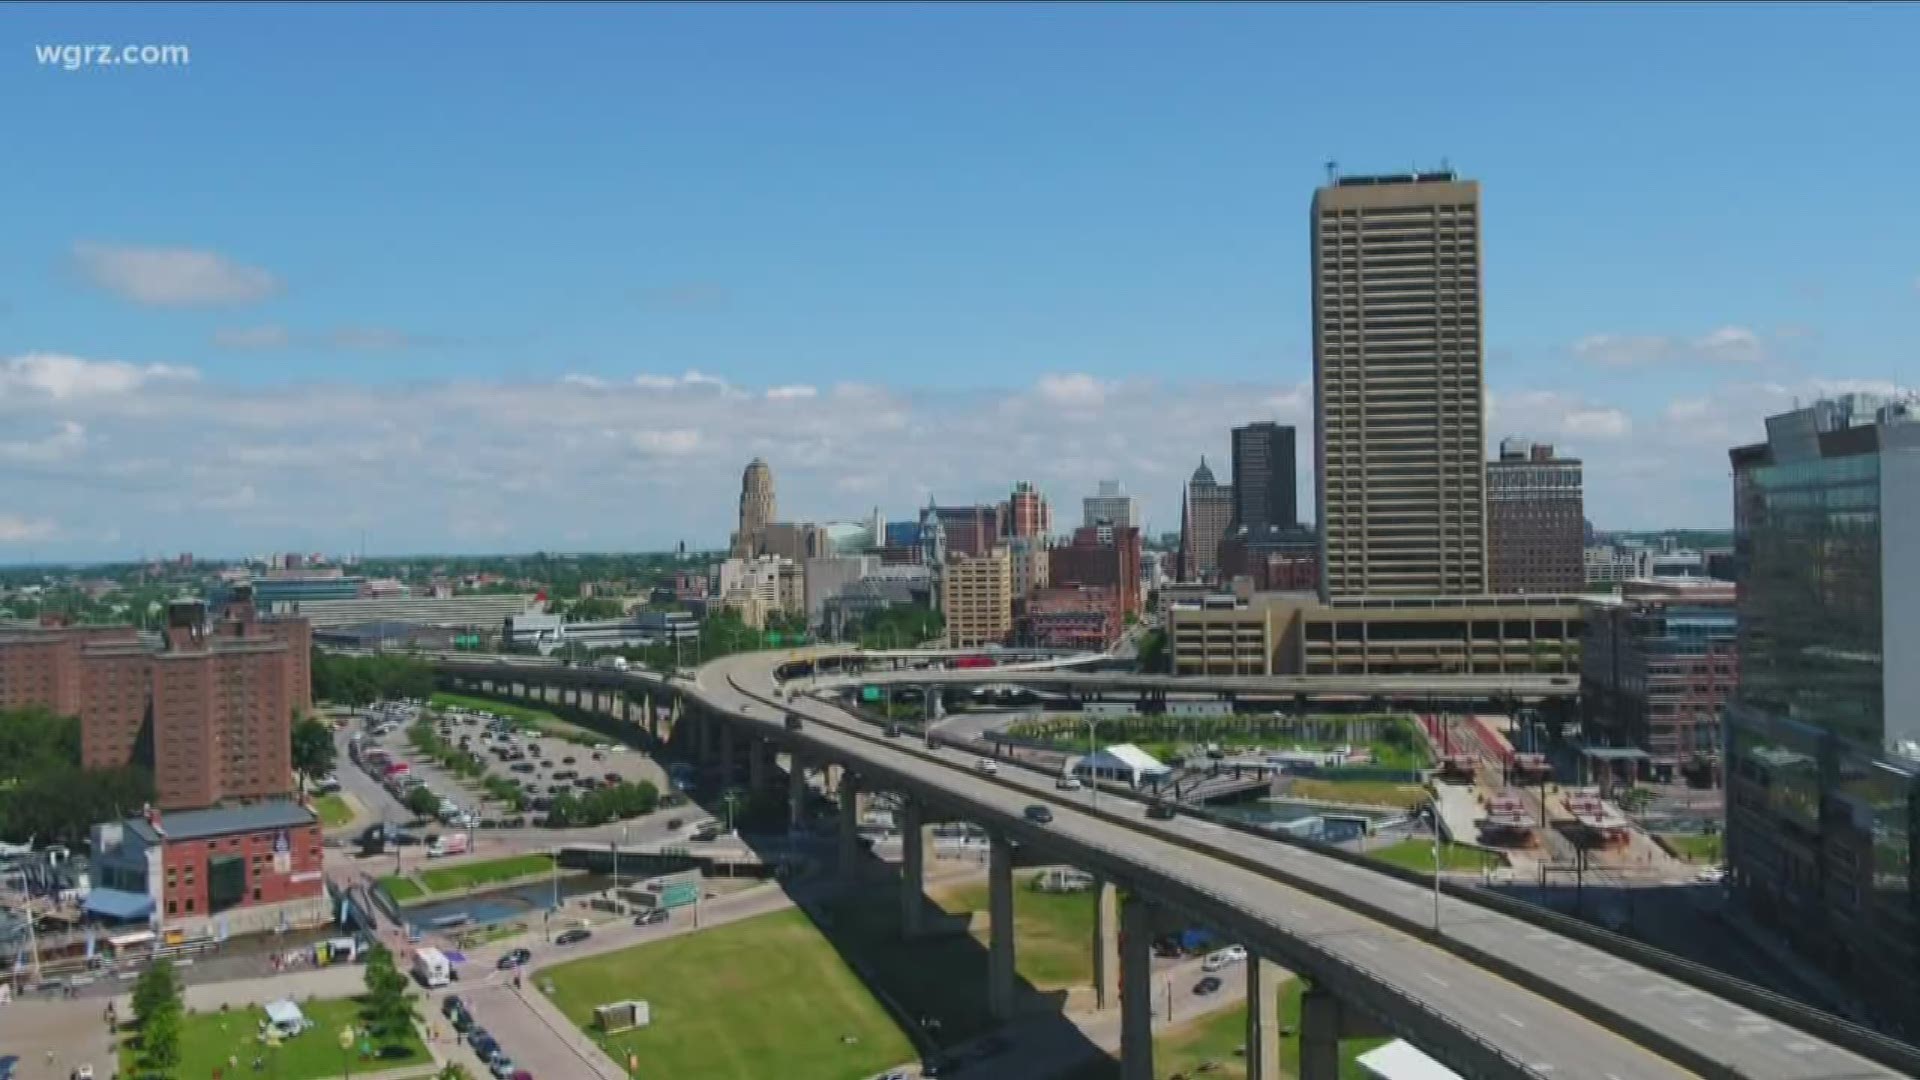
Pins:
x: 189, y: 905
x: 256, y: 894
x: 173, y: 907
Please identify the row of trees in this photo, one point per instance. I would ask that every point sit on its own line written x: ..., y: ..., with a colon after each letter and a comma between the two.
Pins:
x: 45, y: 794
x: 614, y: 802
x: 363, y: 680
x: 159, y: 1014
x: 387, y: 1008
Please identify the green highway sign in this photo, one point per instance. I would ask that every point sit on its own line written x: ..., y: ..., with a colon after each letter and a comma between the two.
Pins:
x: 680, y: 894
x: 869, y: 693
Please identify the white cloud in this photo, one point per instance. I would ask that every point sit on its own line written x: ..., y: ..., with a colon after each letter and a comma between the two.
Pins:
x: 1725, y: 345
x: 63, y: 377
x: 1598, y: 423
x: 590, y: 382
x: 253, y: 337
x: 21, y: 530
x: 67, y: 440
x: 173, y: 277
x: 674, y: 443
x: 1076, y: 390
x: 791, y: 393
x: 692, y: 380
x: 1551, y: 415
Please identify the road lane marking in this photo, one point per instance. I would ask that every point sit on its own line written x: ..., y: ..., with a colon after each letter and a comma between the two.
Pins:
x: 1367, y: 945
x: 1512, y: 1020
x: 1435, y: 979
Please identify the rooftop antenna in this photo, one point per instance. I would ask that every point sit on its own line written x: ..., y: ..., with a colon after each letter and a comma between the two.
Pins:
x: 1333, y: 171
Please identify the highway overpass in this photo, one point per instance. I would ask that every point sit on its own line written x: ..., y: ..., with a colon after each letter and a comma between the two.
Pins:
x: 1497, y: 991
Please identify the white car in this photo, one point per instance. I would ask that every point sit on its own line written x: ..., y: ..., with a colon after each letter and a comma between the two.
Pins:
x: 1068, y: 783
x: 1225, y: 958
x: 986, y: 765
x: 1711, y: 875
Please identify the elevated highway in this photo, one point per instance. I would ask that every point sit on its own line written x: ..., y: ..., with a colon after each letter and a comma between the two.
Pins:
x: 1490, y: 994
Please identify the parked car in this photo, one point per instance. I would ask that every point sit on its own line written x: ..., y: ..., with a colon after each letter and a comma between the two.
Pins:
x: 893, y: 731
x: 652, y: 917
x: 573, y: 937
x: 451, y: 1003
x: 1068, y: 783
x: 566, y: 761
x: 612, y: 778
x: 1208, y: 985
x: 599, y: 756
x: 501, y: 1066
x: 1038, y: 814
x: 514, y: 958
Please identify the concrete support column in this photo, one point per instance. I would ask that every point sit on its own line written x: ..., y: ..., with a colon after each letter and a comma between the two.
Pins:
x: 913, y: 875
x: 849, y: 795
x: 1136, y: 989
x: 1319, y: 1035
x: 1000, y: 973
x: 758, y: 753
x: 1263, y: 1019
x: 796, y: 793
x: 726, y: 754
x: 1106, y: 945
x: 698, y: 734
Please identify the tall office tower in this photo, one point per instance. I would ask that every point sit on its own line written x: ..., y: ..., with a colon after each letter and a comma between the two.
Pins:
x: 1823, y: 735
x: 978, y: 599
x: 1536, y: 528
x: 1398, y: 399
x: 1026, y: 513
x: 970, y: 530
x: 757, y: 508
x: 1205, y: 510
x: 1110, y: 506
x: 1263, y: 479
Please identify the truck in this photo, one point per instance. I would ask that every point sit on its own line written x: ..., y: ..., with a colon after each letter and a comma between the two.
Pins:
x: 611, y: 663
x: 450, y: 844
x: 432, y: 968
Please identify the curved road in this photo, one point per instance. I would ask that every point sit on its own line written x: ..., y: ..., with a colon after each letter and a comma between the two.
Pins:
x: 1437, y: 990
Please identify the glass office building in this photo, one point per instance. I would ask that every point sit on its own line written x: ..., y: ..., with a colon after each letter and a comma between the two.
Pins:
x: 1823, y: 738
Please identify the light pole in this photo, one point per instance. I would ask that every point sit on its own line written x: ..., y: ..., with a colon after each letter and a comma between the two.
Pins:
x: 1093, y: 777
x: 616, y: 861
x: 346, y: 1049
x: 1433, y: 822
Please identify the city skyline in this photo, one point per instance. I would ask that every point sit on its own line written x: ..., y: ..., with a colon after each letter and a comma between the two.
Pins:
x: 188, y: 366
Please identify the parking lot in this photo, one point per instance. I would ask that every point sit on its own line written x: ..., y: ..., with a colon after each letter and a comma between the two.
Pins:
x: 540, y: 765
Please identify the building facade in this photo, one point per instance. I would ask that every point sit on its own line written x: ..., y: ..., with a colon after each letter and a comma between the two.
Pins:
x: 1206, y: 511
x: 1264, y: 495
x: 1109, y: 505
x: 1536, y: 521
x: 1031, y: 562
x: 1104, y: 557
x: 966, y: 530
x: 1823, y: 737
x: 1657, y: 668
x: 1026, y: 514
x: 1398, y: 396
x: 243, y: 869
x: 977, y: 599
x: 1071, y: 617
x: 758, y: 508
x: 795, y: 540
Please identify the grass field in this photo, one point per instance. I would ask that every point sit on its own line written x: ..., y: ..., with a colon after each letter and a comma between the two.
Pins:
x: 333, y: 811
x: 1366, y: 792
x: 209, y: 1040
x: 466, y: 876
x: 728, y: 1001
x: 1418, y: 855
x: 1053, y: 932
x: 1696, y: 847
x: 401, y: 889
x: 1182, y: 1049
x: 521, y: 714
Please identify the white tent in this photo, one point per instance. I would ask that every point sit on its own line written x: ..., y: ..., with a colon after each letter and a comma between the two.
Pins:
x: 285, y: 1017
x: 1122, y: 761
x: 1399, y: 1060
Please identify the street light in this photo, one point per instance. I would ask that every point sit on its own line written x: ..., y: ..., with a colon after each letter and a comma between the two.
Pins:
x: 1093, y: 777
x: 1433, y: 822
x: 616, y: 861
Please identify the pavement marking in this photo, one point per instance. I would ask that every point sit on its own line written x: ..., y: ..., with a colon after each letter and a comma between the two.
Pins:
x: 1801, y: 1047
x: 1367, y: 945
x: 1435, y: 980
x: 1512, y: 1020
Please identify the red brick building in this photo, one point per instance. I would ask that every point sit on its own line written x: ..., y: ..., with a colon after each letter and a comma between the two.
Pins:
x: 250, y: 867
x: 1025, y: 513
x: 1101, y: 556
x: 1072, y: 617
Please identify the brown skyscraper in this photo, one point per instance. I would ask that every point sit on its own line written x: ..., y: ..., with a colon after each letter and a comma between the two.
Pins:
x: 1398, y: 397
x: 757, y: 509
x: 1536, y: 521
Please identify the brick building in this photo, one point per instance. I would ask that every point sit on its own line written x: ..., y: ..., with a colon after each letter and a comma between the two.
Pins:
x: 1071, y: 617
x: 1536, y: 521
x: 1101, y: 556
x: 242, y: 869
x: 1658, y: 666
x: 1026, y: 513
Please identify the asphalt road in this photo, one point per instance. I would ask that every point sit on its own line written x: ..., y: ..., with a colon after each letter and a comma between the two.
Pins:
x: 1548, y: 1039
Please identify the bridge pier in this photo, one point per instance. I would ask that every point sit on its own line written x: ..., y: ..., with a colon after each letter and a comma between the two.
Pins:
x: 1263, y: 1019
x: 796, y: 793
x: 1106, y: 944
x: 725, y: 731
x: 758, y: 770
x: 913, y: 877
x: 1136, y: 989
x: 1000, y: 972
x: 849, y: 796
x: 1324, y: 1021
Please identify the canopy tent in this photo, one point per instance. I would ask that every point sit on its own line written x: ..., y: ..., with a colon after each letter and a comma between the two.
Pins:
x: 1400, y: 1060
x: 1121, y: 761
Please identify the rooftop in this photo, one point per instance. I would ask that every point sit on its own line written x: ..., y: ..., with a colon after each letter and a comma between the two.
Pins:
x: 222, y: 820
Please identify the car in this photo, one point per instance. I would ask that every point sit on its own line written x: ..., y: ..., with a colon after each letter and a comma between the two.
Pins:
x: 617, y: 748
x: 85, y: 1072
x: 1235, y: 954
x: 1208, y: 985
x: 986, y: 765
x: 514, y: 958
x: 461, y: 1020
x: 612, y: 778
x: 652, y: 917
x: 793, y: 722
x: 566, y: 761
x: 521, y: 766
x: 1163, y: 811
x: 449, y: 1003
x: 893, y: 731
x: 405, y: 839
x: 599, y: 756
x: 477, y: 1035
x: 573, y: 937
x: 485, y: 1049
x: 1711, y: 875
x: 1068, y: 783
x: 706, y: 834
x: 501, y: 1066
x: 1038, y: 814
x: 897, y: 1074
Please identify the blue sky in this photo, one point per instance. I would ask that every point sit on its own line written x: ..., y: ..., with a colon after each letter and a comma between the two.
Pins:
x: 441, y: 231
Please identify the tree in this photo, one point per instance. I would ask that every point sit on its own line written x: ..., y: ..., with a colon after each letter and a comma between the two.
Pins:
x: 453, y: 1070
x: 422, y: 802
x: 160, y: 1041
x: 313, y: 749
x: 157, y: 1010
x: 1153, y: 651
x: 387, y: 1007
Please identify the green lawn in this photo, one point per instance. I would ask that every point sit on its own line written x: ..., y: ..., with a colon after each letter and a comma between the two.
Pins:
x: 1364, y: 792
x: 1053, y: 932
x: 523, y: 715
x: 1418, y: 855
x: 1217, y: 1038
x: 401, y: 888
x: 208, y: 1040
x: 1696, y: 847
x: 468, y: 875
x: 333, y: 811
x: 728, y: 1001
